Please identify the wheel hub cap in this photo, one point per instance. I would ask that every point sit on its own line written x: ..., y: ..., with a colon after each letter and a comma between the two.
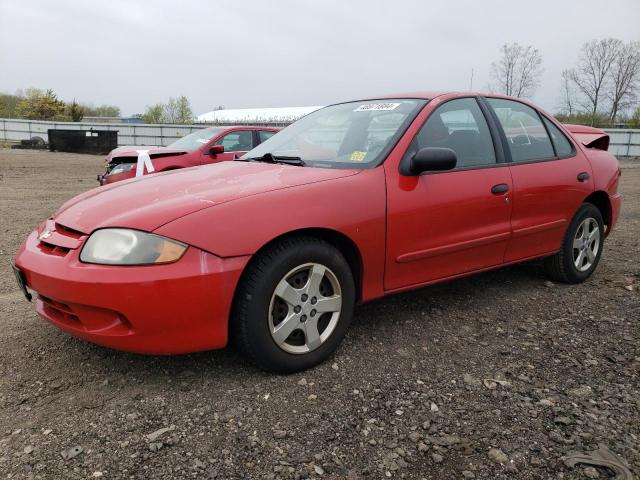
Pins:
x: 305, y: 308
x: 586, y: 244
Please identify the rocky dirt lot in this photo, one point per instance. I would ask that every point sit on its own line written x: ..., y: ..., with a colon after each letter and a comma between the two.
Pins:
x: 494, y: 376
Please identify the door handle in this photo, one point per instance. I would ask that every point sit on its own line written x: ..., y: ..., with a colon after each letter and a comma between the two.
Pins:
x: 583, y: 176
x: 500, y: 188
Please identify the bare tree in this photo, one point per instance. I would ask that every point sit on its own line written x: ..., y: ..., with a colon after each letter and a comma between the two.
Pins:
x: 171, y: 112
x: 592, y: 72
x: 517, y: 72
x: 568, y: 94
x: 625, y: 77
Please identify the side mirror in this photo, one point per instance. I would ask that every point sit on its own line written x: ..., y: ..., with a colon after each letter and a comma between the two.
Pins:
x: 429, y: 159
x: 215, y: 150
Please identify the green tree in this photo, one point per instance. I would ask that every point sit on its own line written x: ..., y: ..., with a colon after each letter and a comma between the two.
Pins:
x: 107, y: 111
x: 40, y: 105
x: 8, y: 105
x: 585, y: 118
x: 75, y: 111
x: 176, y: 110
x: 634, y: 121
x: 101, y: 110
x: 154, y: 113
x: 185, y: 114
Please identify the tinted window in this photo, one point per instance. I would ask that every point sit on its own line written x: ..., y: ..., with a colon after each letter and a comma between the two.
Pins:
x: 240, y: 141
x: 563, y: 146
x: 460, y: 126
x: 265, y: 135
x: 526, y: 136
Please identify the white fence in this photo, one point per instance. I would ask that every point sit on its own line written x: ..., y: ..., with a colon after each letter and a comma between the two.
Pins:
x: 624, y: 142
x: 13, y: 130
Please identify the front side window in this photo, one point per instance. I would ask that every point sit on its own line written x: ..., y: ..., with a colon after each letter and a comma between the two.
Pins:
x: 526, y: 135
x: 563, y: 146
x: 238, y: 141
x: 265, y: 135
x: 459, y: 125
x: 349, y: 135
x: 195, y: 140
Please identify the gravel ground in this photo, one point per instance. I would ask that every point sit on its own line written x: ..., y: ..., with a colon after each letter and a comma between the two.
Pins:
x: 495, y: 376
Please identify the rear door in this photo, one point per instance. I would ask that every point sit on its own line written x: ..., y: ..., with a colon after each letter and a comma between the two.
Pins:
x: 442, y: 224
x: 551, y: 178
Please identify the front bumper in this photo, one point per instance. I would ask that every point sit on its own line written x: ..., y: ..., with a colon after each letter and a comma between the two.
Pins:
x: 158, y: 309
x: 616, y: 206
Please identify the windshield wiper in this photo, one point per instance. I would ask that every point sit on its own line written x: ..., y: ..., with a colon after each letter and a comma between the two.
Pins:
x: 271, y: 158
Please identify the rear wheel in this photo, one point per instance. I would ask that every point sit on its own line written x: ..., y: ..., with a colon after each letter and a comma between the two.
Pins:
x: 293, y: 305
x: 581, y: 247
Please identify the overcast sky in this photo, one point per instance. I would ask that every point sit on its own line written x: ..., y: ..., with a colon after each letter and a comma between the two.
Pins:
x: 287, y: 52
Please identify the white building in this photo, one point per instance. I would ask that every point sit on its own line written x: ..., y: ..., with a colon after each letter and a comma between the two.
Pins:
x: 256, y: 115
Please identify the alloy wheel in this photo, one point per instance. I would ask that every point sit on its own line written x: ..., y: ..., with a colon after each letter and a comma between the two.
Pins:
x: 305, y: 308
x: 586, y: 244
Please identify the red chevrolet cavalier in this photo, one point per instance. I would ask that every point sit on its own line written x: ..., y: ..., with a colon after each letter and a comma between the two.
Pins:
x: 209, y: 145
x: 353, y: 202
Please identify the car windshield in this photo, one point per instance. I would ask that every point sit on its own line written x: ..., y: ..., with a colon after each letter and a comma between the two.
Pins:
x: 197, y: 139
x: 348, y: 135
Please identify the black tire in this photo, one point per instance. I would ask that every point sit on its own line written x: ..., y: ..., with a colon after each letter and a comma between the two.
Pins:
x: 251, y: 321
x: 561, y: 266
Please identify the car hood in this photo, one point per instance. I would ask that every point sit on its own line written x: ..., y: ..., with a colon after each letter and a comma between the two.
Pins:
x: 149, y: 202
x: 153, y: 151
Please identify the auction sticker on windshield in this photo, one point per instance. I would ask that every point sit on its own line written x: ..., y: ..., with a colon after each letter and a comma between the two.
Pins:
x: 376, y: 107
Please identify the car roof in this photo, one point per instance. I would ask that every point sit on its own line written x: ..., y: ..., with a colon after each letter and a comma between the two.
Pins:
x: 433, y: 94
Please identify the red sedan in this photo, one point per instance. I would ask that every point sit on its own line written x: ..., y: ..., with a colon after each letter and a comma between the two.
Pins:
x: 353, y: 202
x: 209, y: 145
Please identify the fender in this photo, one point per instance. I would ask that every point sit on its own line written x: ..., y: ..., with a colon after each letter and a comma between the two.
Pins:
x: 354, y: 206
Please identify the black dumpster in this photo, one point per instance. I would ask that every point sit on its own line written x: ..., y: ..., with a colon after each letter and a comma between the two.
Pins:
x: 83, y: 141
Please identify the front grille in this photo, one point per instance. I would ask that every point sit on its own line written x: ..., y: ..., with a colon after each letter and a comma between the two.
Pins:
x: 69, y: 231
x: 53, y: 249
x: 57, y: 239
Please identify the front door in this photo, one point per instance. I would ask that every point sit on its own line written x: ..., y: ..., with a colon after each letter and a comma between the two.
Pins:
x: 443, y: 224
x: 235, y: 143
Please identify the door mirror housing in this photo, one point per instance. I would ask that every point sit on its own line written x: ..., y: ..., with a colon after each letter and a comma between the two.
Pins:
x: 215, y: 150
x: 429, y: 159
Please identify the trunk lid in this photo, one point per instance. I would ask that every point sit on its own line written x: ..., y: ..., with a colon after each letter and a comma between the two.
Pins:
x: 590, y: 137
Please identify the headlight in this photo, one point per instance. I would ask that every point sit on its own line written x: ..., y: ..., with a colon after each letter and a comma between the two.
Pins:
x: 121, y: 168
x: 121, y: 246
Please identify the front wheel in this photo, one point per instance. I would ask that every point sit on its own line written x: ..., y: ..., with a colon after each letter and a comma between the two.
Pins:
x: 581, y: 247
x: 293, y: 305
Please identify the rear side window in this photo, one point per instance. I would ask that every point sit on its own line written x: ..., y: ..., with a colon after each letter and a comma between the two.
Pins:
x: 526, y: 135
x: 459, y: 125
x: 563, y: 146
x: 264, y: 135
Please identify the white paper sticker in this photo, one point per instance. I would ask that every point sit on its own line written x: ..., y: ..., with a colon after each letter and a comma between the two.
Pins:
x: 376, y: 107
x: 144, y: 160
